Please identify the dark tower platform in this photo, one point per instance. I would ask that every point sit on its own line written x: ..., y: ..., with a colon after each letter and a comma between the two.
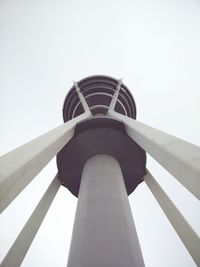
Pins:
x: 100, y: 134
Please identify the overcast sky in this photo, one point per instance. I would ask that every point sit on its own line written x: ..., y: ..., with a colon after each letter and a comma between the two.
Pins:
x: 154, y: 46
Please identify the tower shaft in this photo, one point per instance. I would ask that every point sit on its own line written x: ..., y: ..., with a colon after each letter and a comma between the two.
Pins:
x: 104, y: 233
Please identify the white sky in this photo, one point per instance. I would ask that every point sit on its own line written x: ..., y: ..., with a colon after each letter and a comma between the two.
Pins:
x: 154, y: 46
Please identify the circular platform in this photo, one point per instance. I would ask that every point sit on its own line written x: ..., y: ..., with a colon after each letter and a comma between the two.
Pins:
x: 98, y: 91
x: 100, y: 135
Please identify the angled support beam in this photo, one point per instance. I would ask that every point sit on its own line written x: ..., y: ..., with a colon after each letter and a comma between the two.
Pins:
x: 188, y: 236
x: 20, y: 166
x: 180, y: 158
x: 18, y: 250
x: 82, y: 98
x: 115, y: 96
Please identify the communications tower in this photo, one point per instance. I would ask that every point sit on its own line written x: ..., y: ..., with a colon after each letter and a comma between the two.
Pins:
x: 101, y: 165
x: 101, y: 158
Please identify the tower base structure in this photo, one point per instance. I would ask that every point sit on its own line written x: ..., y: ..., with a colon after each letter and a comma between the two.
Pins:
x: 104, y: 233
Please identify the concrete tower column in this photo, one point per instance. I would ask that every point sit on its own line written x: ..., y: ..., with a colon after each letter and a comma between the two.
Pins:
x: 104, y: 233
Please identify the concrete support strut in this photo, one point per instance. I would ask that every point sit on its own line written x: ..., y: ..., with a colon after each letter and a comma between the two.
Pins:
x: 180, y: 158
x: 20, y: 166
x: 115, y: 96
x: 104, y: 233
x: 188, y: 236
x: 18, y: 250
x: 82, y: 98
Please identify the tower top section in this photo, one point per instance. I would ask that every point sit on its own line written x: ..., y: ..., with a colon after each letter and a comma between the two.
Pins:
x: 98, y: 92
x: 100, y: 132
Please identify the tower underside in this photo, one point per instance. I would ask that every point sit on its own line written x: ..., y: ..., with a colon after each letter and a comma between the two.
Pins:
x: 100, y: 157
x: 102, y: 165
x: 100, y: 134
